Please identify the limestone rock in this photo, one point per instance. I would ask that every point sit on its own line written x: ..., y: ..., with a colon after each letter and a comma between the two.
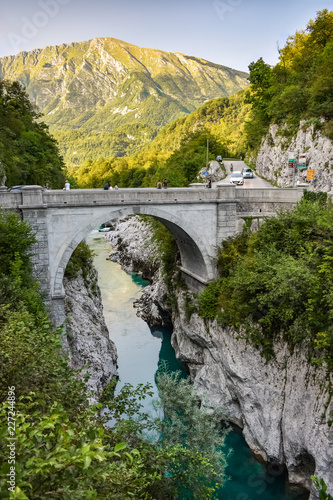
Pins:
x: 215, y: 171
x: 282, y: 406
x: 131, y: 237
x: 272, y: 159
x: 87, y: 333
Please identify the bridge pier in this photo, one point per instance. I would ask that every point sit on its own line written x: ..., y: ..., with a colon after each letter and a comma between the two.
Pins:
x: 35, y: 212
x: 226, y: 224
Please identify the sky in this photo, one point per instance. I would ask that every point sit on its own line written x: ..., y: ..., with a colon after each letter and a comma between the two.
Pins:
x: 229, y: 32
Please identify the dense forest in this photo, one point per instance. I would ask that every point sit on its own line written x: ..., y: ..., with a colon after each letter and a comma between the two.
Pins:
x: 28, y: 153
x: 179, y: 150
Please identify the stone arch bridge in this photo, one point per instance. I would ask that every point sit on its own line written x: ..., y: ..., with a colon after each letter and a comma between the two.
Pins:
x: 199, y: 219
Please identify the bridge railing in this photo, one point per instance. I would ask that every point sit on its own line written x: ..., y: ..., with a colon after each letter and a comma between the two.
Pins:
x: 143, y: 195
x: 34, y: 196
x: 269, y: 195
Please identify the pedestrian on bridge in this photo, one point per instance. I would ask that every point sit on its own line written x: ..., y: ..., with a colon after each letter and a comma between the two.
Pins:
x: 67, y: 186
x: 159, y: 185
x: 165, y: 184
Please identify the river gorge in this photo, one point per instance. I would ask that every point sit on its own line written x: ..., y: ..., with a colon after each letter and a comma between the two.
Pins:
x: 141, y: 349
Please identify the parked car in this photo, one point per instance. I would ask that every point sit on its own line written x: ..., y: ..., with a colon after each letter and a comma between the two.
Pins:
x: 15, y: 189
x: 237, y: 178
x: 247, y: 173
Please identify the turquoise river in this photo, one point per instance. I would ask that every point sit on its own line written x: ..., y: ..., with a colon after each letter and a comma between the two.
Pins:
x: 141, y: 350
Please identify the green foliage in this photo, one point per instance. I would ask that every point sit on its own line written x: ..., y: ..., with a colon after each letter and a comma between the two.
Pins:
x: 319, y: 196
x: 169, y: 258
x: 190, y: 305
x: 28, y: 153
x: 80, y: 261
x: 299, y: 87
x: 66, y: 449
x: 278, y: 281
x: 184, y: 164
x: 16, y: 238
x: 197, y: 470
x: 16, y: 284
x: 209, y: 300
x: 77, y: 145
x: 322, y: 488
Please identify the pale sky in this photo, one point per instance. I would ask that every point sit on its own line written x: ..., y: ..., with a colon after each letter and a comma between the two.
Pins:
x: 229, y: 32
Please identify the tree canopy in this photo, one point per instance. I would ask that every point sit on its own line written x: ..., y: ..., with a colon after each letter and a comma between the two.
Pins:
x: 299, y: 87
x: 28, y: 153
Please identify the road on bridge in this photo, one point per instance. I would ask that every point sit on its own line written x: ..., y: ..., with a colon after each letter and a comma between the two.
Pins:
x: 256, y: 182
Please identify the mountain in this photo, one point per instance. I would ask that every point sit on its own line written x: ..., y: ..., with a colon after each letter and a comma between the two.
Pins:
x: 178, y: 151
x: 88, y: 90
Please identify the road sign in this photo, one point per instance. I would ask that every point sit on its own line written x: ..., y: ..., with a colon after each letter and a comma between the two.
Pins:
x: 310, y: 175
x: 302, y: 161
x: 291, y: 163
x: 206, y: 173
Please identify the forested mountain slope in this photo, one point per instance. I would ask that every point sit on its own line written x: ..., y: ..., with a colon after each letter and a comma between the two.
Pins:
x: 178, y: 151
x: 105, y: 85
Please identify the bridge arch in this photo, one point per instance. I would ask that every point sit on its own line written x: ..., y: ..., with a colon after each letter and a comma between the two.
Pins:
x: 195, y: 251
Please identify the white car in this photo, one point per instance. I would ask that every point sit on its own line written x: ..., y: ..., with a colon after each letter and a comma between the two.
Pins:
x: 247, y: 173
x: 237, y: 178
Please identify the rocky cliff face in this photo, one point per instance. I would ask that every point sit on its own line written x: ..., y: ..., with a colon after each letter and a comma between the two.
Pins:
x: 283, y: 406
x: 272, y: 159
x: 87, y: 333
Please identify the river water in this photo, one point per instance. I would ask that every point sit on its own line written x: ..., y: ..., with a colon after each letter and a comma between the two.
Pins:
x: 141, y: 350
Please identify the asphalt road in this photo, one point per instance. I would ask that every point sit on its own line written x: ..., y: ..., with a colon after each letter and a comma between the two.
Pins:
x: 256, y: 182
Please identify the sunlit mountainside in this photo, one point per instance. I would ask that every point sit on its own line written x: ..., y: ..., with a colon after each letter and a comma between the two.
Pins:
x: 86, y: 90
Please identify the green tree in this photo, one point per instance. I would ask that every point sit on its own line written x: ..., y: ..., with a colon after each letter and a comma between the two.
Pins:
x: 28, y: 153
x: 197, y: 469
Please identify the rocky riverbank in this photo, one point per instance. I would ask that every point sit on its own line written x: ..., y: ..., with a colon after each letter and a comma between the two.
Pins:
x: 90, y: 347
x: 136, y: 252
x: 283, y: 406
